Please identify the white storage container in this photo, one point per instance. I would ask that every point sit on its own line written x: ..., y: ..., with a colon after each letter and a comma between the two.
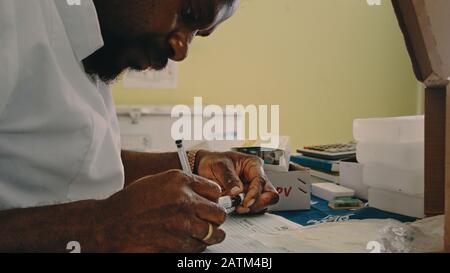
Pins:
x: 403, y: 204
x: 401, y: 129
x: 392, y: 151
x: 331, y: 191
x: 404, y: 155
x: 352, y: 177
x: 385, y: 177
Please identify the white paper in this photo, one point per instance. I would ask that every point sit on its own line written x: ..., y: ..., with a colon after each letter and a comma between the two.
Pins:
x: 360, y: 236
x: 240, y: 232
x: 354, y: 236
x: 165, y: 79
x: 273, y: 234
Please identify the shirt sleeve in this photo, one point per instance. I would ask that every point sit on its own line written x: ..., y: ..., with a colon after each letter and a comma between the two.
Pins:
x: 8, y: 51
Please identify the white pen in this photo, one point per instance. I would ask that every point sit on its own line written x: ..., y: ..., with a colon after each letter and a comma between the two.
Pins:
x: 227, y: 202
x: 183, y: 157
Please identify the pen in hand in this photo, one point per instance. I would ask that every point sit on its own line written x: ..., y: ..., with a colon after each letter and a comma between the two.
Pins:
x: 227, y: 202
x: 183, y: 157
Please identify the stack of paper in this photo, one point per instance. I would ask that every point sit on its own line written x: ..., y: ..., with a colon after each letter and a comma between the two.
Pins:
x: 241, y: 231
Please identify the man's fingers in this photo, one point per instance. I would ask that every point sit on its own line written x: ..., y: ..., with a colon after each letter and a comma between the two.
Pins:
x: 194, y: 246
x: 205, y: 188
x: 268, y: 198
x: 223, y: 170
x: 254, y: 191
x: 183, y: 244
x: 210, y: 212
x: 206, y: 232
x: 242, y: 210
x: 251, y: 197
x: 255, y: 175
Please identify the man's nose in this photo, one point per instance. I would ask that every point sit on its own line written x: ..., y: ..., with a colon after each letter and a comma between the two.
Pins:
x: 180, y: 42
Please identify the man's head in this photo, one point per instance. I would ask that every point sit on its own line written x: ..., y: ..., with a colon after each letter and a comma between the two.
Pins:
x: 142, y: 34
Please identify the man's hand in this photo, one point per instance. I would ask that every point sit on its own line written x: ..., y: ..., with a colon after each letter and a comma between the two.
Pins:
x: 237, y: 173
x: 168, y: 212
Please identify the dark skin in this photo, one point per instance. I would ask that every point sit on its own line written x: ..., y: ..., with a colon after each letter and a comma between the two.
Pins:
x: 142, y: 34
x: 233, y: 172
x: 161, y: 209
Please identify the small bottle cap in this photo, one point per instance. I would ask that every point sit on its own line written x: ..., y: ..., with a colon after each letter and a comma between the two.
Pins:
x: 179, y: 143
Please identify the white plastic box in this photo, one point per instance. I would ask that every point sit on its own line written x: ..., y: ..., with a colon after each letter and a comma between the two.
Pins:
x: 403, y: 155
x: 388, y: 130
x: 331, y: 191
x: 352, y: 177
x: 403, y: 204
x: 386, y: 177
x: 392, y: 152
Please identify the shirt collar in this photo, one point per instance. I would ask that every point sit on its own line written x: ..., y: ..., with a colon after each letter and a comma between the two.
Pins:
x: 82, y: 27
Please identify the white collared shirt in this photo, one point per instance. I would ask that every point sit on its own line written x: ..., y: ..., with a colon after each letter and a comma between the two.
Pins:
x: 59, y: 135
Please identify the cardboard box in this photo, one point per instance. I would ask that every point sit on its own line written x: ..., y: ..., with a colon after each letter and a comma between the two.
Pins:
x: 294, y: 189
x: 425, y: 27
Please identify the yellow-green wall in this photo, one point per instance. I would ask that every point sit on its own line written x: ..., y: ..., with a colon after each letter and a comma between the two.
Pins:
x: 325, y: 62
